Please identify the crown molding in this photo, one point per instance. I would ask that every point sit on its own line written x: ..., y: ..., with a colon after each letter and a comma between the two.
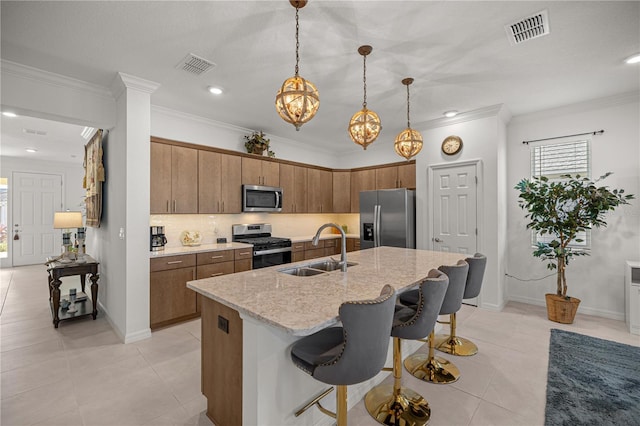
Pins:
x: 52, y: 79
x: 598, y: 103
x: 128, y: 81
x: 490, y: 111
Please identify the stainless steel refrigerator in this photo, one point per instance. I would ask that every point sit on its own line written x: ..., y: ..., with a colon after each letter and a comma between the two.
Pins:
x: 388, y: 218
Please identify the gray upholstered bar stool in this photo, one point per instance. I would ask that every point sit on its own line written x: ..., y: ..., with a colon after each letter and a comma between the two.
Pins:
x: 450, y: 343
x: 395, y: 404
x: 349, y: 354
x: 429, y: 367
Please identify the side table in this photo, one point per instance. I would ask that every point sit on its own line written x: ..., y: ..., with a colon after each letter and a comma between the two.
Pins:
x: 57, y: 270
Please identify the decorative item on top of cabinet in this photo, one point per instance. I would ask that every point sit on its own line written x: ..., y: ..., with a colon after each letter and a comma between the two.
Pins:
x: 174, y: 177
x: 260, y: 172
x: 320, y: 193
x: 219, y: 182
x: 257, y: 143
x: 293, y: 181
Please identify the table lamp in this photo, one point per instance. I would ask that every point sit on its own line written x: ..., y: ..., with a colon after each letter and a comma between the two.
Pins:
x: 66, y: 221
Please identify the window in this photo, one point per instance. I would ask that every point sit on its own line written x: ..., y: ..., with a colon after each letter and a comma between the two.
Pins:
x: 555, y: 160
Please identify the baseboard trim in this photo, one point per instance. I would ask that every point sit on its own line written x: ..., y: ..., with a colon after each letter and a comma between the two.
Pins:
x: 125, y: 338
x: 618, y: 316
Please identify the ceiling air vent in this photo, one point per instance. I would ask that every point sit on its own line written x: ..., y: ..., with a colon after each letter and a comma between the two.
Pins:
x: 534, y: 26
x: 195, y: 64
x: 35, y: 132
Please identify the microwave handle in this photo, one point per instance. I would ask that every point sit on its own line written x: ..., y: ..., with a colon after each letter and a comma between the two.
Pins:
x: 277, y: 199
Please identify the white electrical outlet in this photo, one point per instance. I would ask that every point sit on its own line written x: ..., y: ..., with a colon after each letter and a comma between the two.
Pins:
x: 121, y: 234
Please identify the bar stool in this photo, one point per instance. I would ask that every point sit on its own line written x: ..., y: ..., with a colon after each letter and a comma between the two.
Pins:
x: 394, y: 404
x: 349, y: 354
x: 429, y: 367
x: 450, y: 343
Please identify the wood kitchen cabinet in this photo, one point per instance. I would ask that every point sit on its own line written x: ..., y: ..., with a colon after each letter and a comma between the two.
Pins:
x: 293, y: 180
x: 353, y: 244
x: 341, y: 192
x: 243, y: 259
x: 402, y: 176
x: 219, y: 183
x: 297, y: 251
x: 170, y: 299
x: 320, y: 192
x: 260, y: 172
x: 361, y: 180
x: 174, y: 177
x: 407, y: 176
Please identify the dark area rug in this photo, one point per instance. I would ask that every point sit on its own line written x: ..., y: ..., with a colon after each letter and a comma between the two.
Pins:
x: 592, y: 381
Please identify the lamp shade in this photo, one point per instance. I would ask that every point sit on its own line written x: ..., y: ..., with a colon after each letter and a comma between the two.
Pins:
x: 66, y: 220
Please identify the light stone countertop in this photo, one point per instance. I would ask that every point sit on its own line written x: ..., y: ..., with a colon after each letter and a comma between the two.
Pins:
x: 173, y: 251
x: 303, y: 305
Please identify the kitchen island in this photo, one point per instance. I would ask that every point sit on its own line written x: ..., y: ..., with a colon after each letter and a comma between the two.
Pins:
x: 250, y: 320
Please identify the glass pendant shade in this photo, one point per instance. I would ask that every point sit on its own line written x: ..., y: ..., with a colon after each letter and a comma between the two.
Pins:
x: 408, y: 143
x: 364, y: 127
x: 297, y: 101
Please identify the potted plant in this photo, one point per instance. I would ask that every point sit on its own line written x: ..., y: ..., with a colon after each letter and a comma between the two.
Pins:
x: 563, y: 209
x: 257, y: 143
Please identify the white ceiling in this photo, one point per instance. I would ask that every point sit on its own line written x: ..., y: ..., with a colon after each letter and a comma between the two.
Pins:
x: 457, y: 52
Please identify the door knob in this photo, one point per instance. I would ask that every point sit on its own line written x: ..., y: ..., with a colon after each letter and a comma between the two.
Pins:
x: 438, y: 240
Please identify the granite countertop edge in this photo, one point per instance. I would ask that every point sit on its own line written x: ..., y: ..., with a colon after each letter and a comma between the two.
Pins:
x: 175, y: 251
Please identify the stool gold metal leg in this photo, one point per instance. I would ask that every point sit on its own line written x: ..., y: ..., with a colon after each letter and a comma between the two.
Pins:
x: 431, y: 368
x: 453, y: 344
x: 341, y: 405
x: 394, y: 404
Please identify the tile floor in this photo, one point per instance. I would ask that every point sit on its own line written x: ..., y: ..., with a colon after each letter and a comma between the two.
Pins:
x: 80, y: 374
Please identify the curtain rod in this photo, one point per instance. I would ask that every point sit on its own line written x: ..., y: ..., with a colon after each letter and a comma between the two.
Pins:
x: 595, y: 132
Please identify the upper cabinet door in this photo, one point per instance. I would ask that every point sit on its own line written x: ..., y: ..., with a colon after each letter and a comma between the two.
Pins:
x: 301, y: 186
x: 230, y: 183
x: 251, y: 171
x: 209, y: 182
x: 341, y: 192
x: 407, y: 176
x: 184, y: 179
x: 361, y: 180
x: 270, y: 173
x: 319, y: 194
x: 288, y: 188
x: 387, y: 177
x: 160, y: 178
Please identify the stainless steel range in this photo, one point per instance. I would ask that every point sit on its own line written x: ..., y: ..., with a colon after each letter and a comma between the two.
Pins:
x: 267, y: 250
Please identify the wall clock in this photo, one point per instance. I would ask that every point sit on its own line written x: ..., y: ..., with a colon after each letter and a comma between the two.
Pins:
x: 451, y: 145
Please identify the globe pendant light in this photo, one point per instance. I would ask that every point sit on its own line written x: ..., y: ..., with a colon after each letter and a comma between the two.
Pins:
x: 297, y: 100
x: 408, y: 142
x: 365, y: 125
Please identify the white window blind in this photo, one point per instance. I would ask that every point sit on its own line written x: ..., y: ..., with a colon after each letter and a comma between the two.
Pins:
x: 554, y: 160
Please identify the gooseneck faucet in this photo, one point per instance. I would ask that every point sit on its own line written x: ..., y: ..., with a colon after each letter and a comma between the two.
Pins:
x: 343, y: 254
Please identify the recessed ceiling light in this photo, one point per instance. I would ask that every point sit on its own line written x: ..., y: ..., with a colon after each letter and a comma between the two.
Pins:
x: 31, y: 150
x: 215, y: 90
x: 451, y: 113
x: 9, y: 114
x: 633, y: 59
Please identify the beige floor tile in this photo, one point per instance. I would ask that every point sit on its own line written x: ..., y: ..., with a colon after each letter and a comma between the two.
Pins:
x: 29, y: 355
x: 182, y: 375
x: 33, y: 376
x: 89, y: 360
x: 489, y: 414
x: 167, y: 344
x: 41, y: 405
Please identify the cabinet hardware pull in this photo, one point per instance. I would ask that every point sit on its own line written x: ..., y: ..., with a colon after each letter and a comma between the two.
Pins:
x: 219, y: 273
x: 216, y: 257
x: 246, y: 253
x: 218, y: 208
x: 174, y: 262
x: 168, y: 211
x: 175, y: 206
x: 223, y: 207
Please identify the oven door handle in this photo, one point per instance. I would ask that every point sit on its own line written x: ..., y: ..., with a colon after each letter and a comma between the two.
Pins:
x: 272, y: 251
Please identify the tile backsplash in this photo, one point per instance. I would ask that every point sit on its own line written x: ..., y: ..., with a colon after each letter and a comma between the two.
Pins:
x: 212, y: 227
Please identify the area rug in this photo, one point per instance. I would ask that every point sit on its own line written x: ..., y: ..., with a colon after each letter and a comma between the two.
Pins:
x: 592, y: 381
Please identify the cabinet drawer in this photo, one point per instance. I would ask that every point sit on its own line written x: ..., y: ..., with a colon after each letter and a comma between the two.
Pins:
x: 215, y: 257
x: 309, y: 246
x: 295, y: 247
x: 214, y: 270
x: 297, y: 256
x: 172, y: 262
x: 243, y: 254
x: 312, y: 254
x: 331, y: 243
x: 243, y: 265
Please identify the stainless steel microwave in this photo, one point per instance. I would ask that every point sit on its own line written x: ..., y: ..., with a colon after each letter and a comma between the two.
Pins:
x: 257, y: 198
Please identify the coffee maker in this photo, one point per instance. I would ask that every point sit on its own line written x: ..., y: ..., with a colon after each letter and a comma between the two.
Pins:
x: 158, y: 240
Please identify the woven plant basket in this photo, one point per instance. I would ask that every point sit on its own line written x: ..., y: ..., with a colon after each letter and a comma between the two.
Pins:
x: 560, y: 309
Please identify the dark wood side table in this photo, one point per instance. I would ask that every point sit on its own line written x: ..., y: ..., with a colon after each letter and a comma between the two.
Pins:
x: 58, y: 270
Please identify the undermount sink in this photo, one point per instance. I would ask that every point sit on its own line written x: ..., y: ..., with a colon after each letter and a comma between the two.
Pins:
x: 314, y: 268
x: 329, y: 265
x: 301, y: 271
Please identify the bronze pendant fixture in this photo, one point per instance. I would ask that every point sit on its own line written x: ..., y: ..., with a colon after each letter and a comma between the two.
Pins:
x: 408, y: 142
x: 365, y: 125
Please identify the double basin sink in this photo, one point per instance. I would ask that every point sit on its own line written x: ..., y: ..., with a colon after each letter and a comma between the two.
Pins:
x: 317, y: 268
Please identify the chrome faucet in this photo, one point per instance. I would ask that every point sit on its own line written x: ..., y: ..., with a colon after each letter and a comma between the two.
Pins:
x: 343, y: 254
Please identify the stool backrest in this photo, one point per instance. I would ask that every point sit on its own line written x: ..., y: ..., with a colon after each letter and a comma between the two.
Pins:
x: 477, y: 265
x: 431, y: 295
x: 367, y: 330
x: 457, y: 282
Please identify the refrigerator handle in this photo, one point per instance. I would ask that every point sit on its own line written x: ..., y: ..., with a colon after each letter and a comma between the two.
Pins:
x: 376, y: 226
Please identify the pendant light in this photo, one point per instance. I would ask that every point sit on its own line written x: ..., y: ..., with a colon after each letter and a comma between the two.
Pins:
x: 297, y: 100
x: 365, y: 125
x: 408, y: 142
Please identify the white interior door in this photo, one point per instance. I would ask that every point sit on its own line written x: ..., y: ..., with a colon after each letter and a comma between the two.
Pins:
x: 36, y: 196
x: 455, y: 208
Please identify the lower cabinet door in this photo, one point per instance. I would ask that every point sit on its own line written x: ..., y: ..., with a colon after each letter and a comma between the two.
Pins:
x: 170, y: 298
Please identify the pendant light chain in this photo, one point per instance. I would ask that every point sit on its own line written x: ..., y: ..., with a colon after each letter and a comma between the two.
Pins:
x: 364, y: 80
x: 408, y: 123
x: 297, y: 41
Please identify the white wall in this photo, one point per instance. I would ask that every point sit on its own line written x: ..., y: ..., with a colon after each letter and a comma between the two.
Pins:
x: 72, y: 191
x: 597, y: 280
x: 483, y: 137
